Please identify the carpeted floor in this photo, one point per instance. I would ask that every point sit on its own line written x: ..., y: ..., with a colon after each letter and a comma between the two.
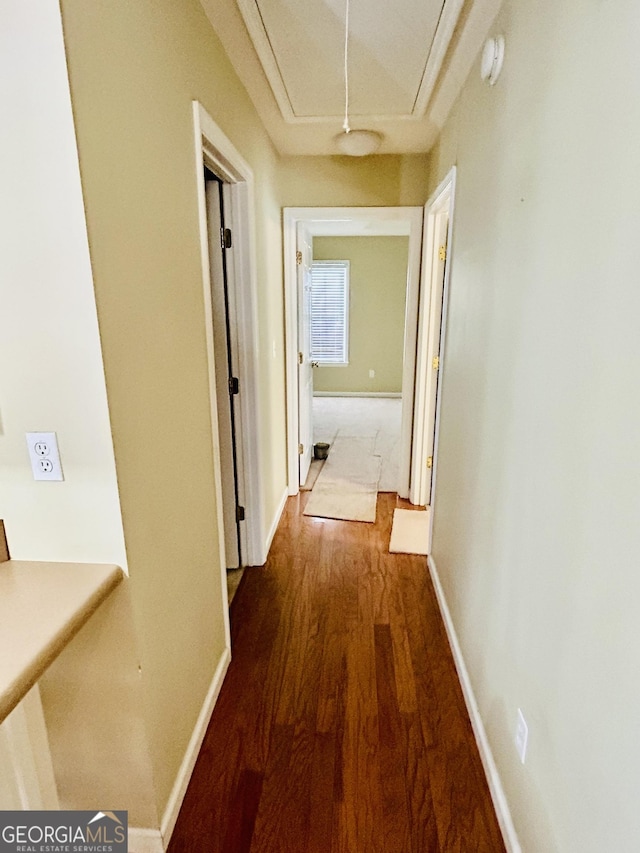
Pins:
x: 364, y: 417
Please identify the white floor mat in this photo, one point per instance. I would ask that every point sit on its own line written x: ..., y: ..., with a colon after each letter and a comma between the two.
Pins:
x: 347, y: 486
x: 312, y: 476
x: 410, y: 532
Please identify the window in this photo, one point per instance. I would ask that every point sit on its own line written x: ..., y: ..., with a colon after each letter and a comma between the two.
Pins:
x: 330, y: 312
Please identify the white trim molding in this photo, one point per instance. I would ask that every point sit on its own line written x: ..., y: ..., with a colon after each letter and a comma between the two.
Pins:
x: 498, y: 795
x: 191, y: 754
x: 145, y: 840
x: 394, y: 394
x: 275, y: 523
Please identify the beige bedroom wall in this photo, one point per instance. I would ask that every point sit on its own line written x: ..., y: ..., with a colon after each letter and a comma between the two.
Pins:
x: 377, y: 290
x: 134, y: 70
x: 538, y: 484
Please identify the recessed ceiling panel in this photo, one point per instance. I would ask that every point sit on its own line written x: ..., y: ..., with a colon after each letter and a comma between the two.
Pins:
x: 389, y: 47
x: 408, y: 61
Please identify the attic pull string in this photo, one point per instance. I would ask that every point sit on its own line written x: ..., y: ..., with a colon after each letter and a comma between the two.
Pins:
x: 346, y: 127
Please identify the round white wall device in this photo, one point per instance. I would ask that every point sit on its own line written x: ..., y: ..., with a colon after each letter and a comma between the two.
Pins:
x: 492, y: 59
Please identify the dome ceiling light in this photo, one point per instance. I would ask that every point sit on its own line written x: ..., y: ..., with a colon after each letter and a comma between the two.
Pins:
x: 358, y: 143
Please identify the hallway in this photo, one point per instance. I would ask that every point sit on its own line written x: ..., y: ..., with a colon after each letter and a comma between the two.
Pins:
x: 341, y: 725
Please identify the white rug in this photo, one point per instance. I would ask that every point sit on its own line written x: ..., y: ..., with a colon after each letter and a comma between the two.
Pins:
x: 410, y: 532
x: 312, y: 476
x: 347, y: 486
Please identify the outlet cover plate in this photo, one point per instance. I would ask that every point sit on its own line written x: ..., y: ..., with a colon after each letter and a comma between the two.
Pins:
x: 44, y: 456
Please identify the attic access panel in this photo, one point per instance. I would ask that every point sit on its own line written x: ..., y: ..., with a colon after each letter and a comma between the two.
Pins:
x: 395, y: 53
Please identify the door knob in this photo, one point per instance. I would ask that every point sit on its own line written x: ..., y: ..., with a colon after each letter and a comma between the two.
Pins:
x: 315, y: 364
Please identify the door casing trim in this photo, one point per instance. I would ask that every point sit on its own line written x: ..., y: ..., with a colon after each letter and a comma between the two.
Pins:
x: 214, y: 149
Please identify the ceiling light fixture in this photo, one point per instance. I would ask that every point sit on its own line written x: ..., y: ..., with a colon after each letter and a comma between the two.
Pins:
x: 358, y: 143
x: 354, y: 143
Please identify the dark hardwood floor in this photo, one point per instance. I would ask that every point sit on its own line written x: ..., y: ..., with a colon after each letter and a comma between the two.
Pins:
x: 341, y: 726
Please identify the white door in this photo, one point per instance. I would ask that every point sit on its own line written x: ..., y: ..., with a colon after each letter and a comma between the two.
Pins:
x: 304, y: 260
x: 221, y: 357
x: 434, y: 350
x: 431, y: 330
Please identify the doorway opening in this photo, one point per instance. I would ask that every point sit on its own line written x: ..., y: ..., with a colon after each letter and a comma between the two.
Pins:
x: 358, y: 311
x: 225, y: 351
x: 227, y: 198
x: 429, y: 244
x: 302, y: 228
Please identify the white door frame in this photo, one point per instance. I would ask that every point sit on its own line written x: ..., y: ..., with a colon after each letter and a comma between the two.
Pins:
x: 441, y: 202
x: 215, y: 150
x: 305, y: 364
x: 352, y: 221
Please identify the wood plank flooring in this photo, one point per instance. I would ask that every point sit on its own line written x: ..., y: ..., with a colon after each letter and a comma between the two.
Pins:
x: 341, y: 726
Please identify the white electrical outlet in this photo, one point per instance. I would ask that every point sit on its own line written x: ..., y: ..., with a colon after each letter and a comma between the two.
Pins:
x: 372, y: 374
x: 44, y: 456
x: 522, y: 736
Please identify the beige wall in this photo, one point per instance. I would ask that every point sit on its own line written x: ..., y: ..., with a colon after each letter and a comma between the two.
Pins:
x: 353, y: 181
x: 93, y: 708
x: 52, y: 378
x: 377, y: 298
x: 538, y: 490
x: 134, y: 70
x: 51, y: 373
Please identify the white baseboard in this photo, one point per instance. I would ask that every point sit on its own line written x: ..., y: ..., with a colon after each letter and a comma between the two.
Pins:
x: 145, y: 840
x: 357, y: 394
x: 491, y: 771
x: 188, y: 762
x: 274, y: 525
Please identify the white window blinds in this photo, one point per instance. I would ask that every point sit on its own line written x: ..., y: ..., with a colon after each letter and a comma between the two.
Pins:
x: 330, y: 312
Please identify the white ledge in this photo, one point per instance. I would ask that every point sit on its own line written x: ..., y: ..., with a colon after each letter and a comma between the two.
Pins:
x: 42, y: 607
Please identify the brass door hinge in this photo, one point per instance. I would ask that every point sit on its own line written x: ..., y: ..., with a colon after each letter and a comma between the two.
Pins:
x: 300, y: 358
x: 435, y: 362
x: 298, y: 258
x: 442, y: 254
x: 429, y: 461
x: 300, y: 449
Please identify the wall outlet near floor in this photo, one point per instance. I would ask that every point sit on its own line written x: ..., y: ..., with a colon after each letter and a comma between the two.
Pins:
x: 44, y: 456
x: 522, y: 736
x: 372, y: 374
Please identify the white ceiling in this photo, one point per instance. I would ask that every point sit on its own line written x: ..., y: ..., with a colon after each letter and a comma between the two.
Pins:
x: 407, y: 62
